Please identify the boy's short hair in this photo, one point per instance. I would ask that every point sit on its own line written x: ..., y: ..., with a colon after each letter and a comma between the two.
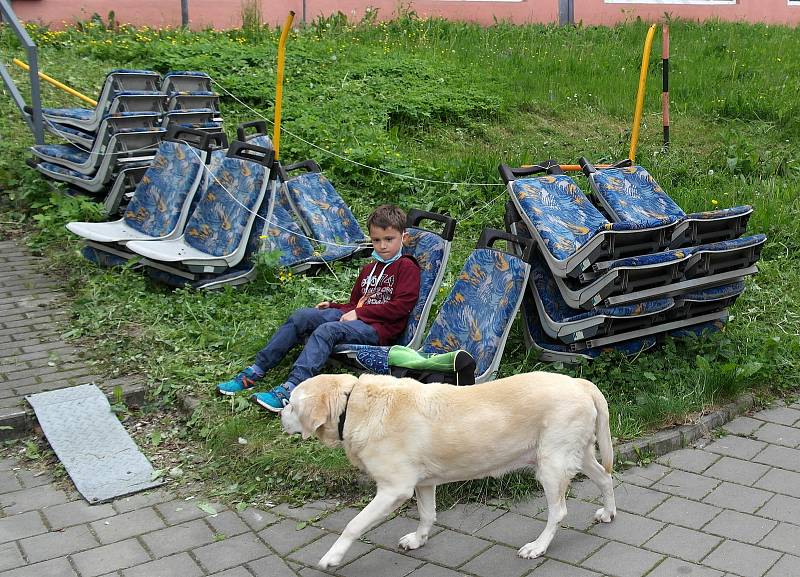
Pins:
x: 387, y: 216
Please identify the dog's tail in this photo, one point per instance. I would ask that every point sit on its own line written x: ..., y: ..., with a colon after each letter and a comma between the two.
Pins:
x: 602, y: 428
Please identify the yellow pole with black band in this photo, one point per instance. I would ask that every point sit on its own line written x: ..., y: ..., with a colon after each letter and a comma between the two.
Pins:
x: 637, y: 115
x: 276, y: 132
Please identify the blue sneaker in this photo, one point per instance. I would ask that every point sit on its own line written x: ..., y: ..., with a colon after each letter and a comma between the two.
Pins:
x: 275, y: 399
x: 243, y: 381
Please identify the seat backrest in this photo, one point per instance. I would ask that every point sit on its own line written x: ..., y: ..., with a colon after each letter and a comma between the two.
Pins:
x: 124, y: 80
x: 284, y: 234
x: 138, y: 101
x: 559, y: 211
x: 478, y: 312
x: 322, y: 212
x: 225, y: 212
x: 185, y: 81
x: 196, y: 99
x: 160, y: 202
x: 631, y: 194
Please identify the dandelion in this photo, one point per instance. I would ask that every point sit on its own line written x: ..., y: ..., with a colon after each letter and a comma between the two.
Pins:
x: 714, y: 201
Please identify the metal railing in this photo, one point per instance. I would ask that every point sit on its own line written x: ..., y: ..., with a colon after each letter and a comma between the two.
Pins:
x: 33, y: 115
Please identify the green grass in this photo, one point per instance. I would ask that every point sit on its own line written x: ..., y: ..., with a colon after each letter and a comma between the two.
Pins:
x: 445, y: 102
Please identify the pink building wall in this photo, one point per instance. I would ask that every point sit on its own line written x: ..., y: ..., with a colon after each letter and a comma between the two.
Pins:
x: 227, y: 13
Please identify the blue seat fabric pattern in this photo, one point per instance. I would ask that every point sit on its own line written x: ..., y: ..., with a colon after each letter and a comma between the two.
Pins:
x: 428, y: 249
x: 218, y: 222
x: 160, y: 195
x: 68, y: 152
x: 479, y: 308
x: 285, y: 235
x: 324, y: 212
x: 634, y: 195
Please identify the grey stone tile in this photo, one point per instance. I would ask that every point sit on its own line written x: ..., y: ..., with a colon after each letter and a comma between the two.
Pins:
x: 779, y: 435
x: 10, y: 556
x: 744, y: 426
x: 572, y: 546
x: 75, y: 513
x: 126, y: 525
x: 180, y: 564
x: 552, y: 568
x: 309, y: 572
x: 380, y: 562
x: 780, y: 481
x: 738, y: 497
x: 534, y: 503
x: 54, y: 568
x: 468, y: 517
x: 627, y: 528
x: 676, y: 568
x: 692, y: 460
x: 429, y: 570
x: 781, y: 508
x: 780, y: 415
x: 9, y: 482
x: 141, y: 500
x: 57, y: 543
x: 285, y: 536
x: 738, y: 447
x: 227, y: 523
x: 686, y: 513
x: 450, y: 548
x: 500, y: 560
x: 741, y: 559
x: 230, y: 552
x: 736, y: 471
x: 622, y: 560
x: 180, y: 510
x: 780, y: 457
x: 21, y: 526
x: 512, y: 529
x: 644, y: 476
x: 584, y: 490
x: 639, y: 500
x: 313, y: 552
x: 682, y: 543
x: 686, y: 484
x: 306, y: 512
x: 33, y: 479
x: 177, y: 538
x: 785, y: 537
x: 338, y: 520
x: 110, y: 558
x: 257, y: 519
x: 271, y: 566
x: 580, y: 514
x: 30, y: 499
x: 785, y: 567
x: 740, y: 526
x: 235, y: 572
x: 388, y: 534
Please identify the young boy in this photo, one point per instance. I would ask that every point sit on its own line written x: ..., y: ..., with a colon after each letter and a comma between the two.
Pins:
x: 382, y: 298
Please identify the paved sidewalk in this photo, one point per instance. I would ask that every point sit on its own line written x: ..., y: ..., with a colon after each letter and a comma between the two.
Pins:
x: 729, y: 508
x: 33, y: 355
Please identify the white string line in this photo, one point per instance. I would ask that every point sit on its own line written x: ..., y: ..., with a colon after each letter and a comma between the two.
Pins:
x: 351, y: 161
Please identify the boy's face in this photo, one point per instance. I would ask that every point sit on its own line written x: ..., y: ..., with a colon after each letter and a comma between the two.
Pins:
x: 387, y: 242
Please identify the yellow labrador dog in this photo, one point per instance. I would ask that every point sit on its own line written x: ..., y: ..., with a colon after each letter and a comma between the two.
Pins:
x: 410, y: 437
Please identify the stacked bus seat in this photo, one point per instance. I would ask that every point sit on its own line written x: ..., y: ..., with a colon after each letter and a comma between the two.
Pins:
x: 657, y: 270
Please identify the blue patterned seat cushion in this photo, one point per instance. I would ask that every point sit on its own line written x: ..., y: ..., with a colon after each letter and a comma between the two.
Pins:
x: 428, y: 249
x: 716, y: 293
x: 220, y: 218
x: 559, y: 211
x: 58, y: 169
x: 323, y: 211
x: 68, y: 152
x: 721, y: 213
x: 634, y: 195
x: 284, y: 234
x: 160, y: 195
x: 652, y: 259
x: 699, y: 330
x: 558, y: 311
x: 479, y: 308
x: 102, y: 258
x: 71, y: 130
x: 727, y: 245
x: 74, y: 113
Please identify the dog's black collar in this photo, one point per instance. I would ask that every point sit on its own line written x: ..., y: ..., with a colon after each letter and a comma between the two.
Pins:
x: 343, y: 417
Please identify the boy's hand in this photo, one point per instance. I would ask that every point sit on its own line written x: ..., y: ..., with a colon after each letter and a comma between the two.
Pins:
x: 324, y: 305
x: 349, y: 316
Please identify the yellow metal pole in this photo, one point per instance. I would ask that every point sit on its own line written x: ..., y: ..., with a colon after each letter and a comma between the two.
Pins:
x: 637, y: 115
x: 56, y: 83
x: 276, y: 132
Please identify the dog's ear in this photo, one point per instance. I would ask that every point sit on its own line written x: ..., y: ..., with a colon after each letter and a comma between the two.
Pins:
x: 314, y: 417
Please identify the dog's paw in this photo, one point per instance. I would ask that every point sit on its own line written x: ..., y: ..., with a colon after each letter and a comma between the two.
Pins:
x: 329, y: 560
x: 531, y: 550
x: 604, y: 515
x: 411, y: 541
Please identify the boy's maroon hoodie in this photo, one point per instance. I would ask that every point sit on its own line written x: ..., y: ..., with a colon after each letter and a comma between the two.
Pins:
x: 388, y: 300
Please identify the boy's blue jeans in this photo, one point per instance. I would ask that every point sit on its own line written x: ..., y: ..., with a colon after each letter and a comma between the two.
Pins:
x: 324, y: 331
